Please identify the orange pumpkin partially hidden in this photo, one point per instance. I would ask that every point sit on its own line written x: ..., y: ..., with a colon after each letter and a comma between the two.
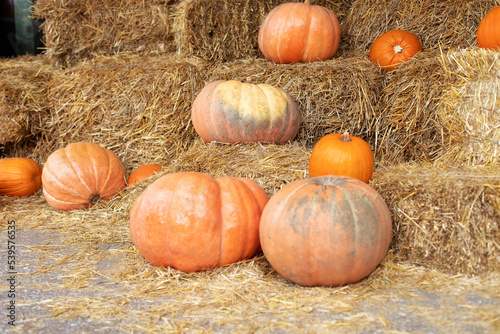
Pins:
x: 325, y: 231
x: 192, y: 222
x: 143, y: 172
x: 393, y: 48
x: 299, y: 32
x: 342, y: 154
x: 79, y: 175
x: 19, y: 177
x: 488, y: 32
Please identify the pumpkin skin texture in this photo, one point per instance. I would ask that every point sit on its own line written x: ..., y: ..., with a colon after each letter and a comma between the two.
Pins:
x: 193, y: 222
x: 325, y: 231
x: 143, y: 172
x: 488, y: 31
x: 342, y: 154
x: 393, y: 48
x: 233, y: 111
x: 299, y: 32
x: 80, y: 174
x: 19, y: 177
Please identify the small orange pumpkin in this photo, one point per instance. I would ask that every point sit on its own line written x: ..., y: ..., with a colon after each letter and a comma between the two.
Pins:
x: 19, y: 177
x: 488, y: 32
x: 143, y: 172
x: 393, y: 48
x: 325, y: 231
x: 299, y: 32
x: 233, y: 111
x: 192, y: 222
x: 80, y: 174
x: 342, y: 154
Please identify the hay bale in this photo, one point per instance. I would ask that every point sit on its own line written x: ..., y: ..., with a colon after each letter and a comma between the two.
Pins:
x: 225, y: 30
x: 441, y: 24
x: 444, y: 218
x: 333, y: 96
x: 23, y: 100
x: 410, y: 129
x: 470, y: 108
x: 139, y: 107
x: 439, y: 103
x: 78, y: 29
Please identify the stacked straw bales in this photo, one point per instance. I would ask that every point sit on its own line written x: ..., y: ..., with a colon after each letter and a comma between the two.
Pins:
x: 138, y: 107
x: 443, y: 106
x: 129, y: 86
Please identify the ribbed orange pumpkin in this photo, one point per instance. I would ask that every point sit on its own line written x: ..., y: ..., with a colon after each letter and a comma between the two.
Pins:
x: 19, y: 177
x: 325, y: 231
x: 192, y: 222
x: 77, y: 176
x: 393, y: 48
x: 488, y: 32
x: 143, y: 172
x: 233, y: 111
x: 299, y: 32
x: 342, y: 154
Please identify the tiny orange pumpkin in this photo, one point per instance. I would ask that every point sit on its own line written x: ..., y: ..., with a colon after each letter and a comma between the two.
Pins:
x: 342, y: 154
x: 393, y: 48
x: 488, y: 32
x: 19, y: 177
x: 143, y: 172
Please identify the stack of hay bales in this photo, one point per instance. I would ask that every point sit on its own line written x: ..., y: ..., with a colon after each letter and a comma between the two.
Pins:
x: 434, y: 108
x: 136, y: 106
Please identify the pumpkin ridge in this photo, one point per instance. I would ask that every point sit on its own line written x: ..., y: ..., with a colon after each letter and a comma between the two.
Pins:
x: 270, y: 118
x: 213, y: 129
x: 108, y: 176
x: 280, y: 30
x: 308, y: 24
x: 355, y: 217
x: 63, y: 186
x: 285, y: 200
x: 167, y: 243
x: 222, y: 222
x: 76, y: 172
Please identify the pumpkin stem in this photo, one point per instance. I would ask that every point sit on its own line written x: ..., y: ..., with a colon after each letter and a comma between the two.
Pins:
x: 398, y: 49
x: 307, y: 2
x: 345, y: 137
x: 95, y: 199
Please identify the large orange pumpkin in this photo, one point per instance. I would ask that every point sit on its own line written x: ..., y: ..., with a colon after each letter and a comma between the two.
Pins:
x: 342, y: 154
x: 77, y: 176
x: 233, y: 111
x: 192, y: 222
x: 19, y: 177
x: 325, y: 231
x: 299, y: 32
x: 393, y: 48
x: 488, y: 32
x: 143, y: 172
